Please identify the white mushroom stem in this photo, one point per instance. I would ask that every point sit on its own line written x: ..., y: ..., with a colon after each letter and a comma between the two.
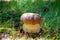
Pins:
x: 31, y: 28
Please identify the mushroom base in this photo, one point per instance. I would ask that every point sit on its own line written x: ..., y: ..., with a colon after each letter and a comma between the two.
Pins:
x: 31, y: 28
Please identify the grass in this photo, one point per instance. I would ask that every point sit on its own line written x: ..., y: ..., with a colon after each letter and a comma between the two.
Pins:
x: 11, y: 11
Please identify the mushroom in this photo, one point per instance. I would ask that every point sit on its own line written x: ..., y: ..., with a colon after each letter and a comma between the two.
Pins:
x: 32, y: 22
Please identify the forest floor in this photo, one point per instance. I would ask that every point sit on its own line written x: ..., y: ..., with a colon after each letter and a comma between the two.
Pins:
x: 16, y: 35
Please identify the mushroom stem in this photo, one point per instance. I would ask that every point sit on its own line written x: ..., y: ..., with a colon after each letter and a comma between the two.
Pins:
x: 31, y: 28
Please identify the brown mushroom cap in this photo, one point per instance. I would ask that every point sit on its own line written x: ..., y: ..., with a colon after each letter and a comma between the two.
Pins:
x: 31, y: 18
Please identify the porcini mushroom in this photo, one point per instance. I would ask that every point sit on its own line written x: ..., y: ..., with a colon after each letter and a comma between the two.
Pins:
x: 31, y: 22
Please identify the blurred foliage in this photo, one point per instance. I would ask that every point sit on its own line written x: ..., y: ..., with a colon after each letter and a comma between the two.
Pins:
x: 11, y: 11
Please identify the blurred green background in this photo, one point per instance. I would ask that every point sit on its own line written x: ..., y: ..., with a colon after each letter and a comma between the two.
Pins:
x: 10, y: 12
